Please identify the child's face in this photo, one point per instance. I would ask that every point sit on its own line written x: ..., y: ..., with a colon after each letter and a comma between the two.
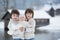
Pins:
x: 15, y: 17
x: 29, y: 15
x: 22, y: 18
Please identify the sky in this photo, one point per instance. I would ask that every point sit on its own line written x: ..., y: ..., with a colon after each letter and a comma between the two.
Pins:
x: 23, y: 4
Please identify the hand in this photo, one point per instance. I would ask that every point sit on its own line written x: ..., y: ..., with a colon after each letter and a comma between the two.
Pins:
x: 21, y: 29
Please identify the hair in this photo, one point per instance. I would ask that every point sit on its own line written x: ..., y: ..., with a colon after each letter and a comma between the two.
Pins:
x: 29, y: 11
x: 14, y: 11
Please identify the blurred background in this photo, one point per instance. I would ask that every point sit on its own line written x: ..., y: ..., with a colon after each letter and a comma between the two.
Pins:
x: 46, y: 15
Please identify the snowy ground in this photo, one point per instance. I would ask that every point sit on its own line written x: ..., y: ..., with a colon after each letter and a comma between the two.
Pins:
x: 54, y: 24
x: 53, y: 29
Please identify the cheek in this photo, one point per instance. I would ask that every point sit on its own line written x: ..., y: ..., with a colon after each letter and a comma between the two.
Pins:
x: 28, y: 15
x: 31, y: 16
x: 13, y: 16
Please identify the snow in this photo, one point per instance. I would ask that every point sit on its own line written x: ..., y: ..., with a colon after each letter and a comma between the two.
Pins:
x: 46, y: 7
x: 39, y: 14
x: 53, y: 26
x: 56, y: 6
x: 1, y: 25
x: 1, y: 29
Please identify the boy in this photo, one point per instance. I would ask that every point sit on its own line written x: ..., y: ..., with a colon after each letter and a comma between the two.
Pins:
x: 15, y: 28
x: 29, y: 34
